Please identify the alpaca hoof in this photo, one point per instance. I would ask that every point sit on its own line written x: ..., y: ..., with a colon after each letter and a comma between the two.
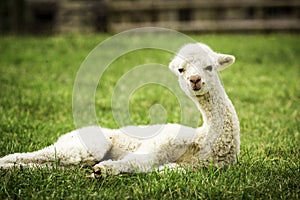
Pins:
x: 98, y: 172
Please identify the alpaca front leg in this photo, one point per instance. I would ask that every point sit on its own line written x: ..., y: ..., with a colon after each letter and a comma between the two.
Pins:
x: 131, y: 163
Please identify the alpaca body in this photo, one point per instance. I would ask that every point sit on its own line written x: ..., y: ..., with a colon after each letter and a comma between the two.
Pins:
x: 70, y: 150
x: 173, y: 145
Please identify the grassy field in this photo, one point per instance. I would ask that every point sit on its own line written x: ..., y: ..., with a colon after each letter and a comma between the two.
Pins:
x: 36, y: 84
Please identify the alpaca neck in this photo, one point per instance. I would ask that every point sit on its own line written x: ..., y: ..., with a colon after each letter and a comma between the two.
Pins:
x: 219, y: 116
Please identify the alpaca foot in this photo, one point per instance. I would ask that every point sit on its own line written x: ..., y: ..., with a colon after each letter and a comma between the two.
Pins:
x: 98, y: 172
x: 102, y: 170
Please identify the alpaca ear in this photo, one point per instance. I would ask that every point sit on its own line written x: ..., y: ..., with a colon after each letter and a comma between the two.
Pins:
x: 173, y: 68
x: 224, y: 61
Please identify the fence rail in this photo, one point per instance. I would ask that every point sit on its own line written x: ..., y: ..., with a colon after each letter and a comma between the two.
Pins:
x: 220, y: 25
x: 60, y: 16
x: 202, y: 15
x: 126, y: 5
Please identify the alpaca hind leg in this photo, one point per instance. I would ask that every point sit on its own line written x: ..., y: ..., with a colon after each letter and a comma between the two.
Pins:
x: 85, y: 146
x: 46, y: 155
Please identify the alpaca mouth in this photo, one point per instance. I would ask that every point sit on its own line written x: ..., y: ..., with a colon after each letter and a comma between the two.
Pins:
x: 196, y: 89
x: 196, y: 86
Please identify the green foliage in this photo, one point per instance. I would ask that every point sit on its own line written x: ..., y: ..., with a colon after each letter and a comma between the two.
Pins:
x: 36, y: 83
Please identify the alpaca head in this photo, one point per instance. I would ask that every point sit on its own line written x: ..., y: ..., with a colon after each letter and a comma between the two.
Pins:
x: 197, y: 66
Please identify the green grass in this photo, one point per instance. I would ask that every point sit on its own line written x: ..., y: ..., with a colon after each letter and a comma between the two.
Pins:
x: 36, y: 84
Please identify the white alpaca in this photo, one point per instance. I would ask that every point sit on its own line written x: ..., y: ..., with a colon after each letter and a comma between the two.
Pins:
x: 216, y: 142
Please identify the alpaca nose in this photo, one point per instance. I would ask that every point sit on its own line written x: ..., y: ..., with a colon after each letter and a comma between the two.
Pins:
x: 195, y: 79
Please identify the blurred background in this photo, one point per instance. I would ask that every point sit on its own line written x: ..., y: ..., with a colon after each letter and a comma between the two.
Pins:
x: 85, y: 16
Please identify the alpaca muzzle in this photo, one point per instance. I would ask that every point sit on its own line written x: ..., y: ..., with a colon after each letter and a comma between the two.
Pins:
x: 195, y: 82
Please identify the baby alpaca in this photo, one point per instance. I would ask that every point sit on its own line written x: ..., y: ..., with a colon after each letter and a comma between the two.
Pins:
x: 216, y: 142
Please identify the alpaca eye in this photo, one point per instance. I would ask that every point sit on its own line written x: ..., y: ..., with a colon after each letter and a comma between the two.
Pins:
x: 208, y: 68
x: 181, y: 70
